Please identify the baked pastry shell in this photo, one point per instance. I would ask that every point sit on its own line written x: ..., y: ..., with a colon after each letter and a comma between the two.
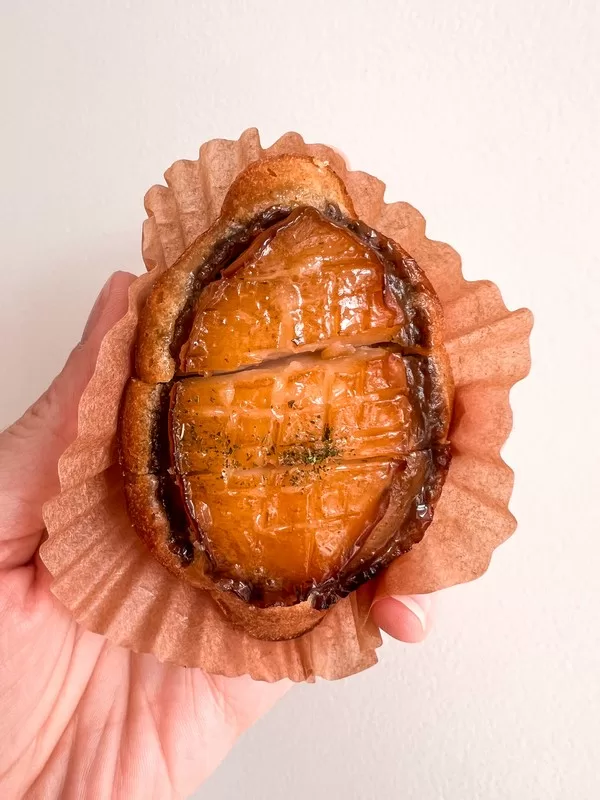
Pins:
x: 111, y: 584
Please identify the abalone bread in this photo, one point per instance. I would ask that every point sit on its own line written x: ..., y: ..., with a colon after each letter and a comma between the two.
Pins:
x: 284, y: 436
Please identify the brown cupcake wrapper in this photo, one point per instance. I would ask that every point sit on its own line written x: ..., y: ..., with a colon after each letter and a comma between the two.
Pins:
x: 110, y: 583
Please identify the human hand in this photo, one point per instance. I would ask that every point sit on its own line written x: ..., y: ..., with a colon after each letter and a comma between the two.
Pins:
x: 79, y: 716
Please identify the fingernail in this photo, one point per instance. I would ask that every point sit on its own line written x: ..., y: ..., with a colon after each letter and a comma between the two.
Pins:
x: 418, y: 605
x: 97, y: 309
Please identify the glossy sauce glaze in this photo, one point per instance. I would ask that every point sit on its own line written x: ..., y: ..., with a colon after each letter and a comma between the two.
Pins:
x: 293, y: 459
x: 304, y: 285
x: 307, y: 403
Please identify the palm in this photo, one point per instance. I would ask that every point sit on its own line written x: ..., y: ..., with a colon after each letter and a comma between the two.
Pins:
x: 90, y: 718
x: 76, y: 711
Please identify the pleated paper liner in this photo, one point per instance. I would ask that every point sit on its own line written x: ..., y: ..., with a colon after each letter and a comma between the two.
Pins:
x: 104, y: 575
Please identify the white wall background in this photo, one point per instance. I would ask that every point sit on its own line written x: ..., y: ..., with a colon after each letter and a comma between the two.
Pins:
x: 486, y: 117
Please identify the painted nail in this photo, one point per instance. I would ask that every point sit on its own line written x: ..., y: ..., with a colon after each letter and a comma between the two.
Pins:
x: 418, y: 605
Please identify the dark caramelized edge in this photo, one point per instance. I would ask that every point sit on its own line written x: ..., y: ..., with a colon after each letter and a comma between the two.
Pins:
x: 225, y: 252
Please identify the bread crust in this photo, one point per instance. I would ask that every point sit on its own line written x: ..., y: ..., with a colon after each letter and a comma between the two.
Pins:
x: 282, y: 183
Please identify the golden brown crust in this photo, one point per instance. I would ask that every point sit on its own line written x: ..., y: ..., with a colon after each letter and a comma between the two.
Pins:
x: 287, y: 182
x: 272, y: 624
x: 149, y: 518
x: 147, y: 512
x: 138, y: 426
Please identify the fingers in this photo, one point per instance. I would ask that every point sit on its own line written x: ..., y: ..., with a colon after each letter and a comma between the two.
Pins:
x: 408, y: 618
x: 31, y: 447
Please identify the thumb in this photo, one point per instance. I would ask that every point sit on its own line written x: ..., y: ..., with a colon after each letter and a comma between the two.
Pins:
x: 408, y: 618
x: 30, y: 447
